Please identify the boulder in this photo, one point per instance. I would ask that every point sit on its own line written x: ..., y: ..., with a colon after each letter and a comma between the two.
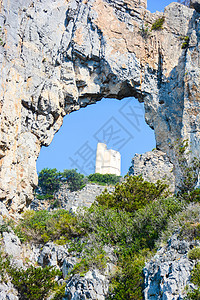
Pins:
x: 168, y: 272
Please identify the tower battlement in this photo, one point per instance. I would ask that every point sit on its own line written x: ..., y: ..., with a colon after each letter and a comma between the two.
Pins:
x: 107, y: 161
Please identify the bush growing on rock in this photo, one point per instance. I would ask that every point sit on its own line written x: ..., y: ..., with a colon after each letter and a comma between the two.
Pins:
x: 34, y: 283
x: 127, y: 230
x: 188, y: 172
x: 127, y: 283
x: 185, y: 43
x: 75, y: 180
x: 186, y: 223
x: 194, y: 253
x: 195, y: 279
x: 42, y: 226
x: 128, y: 221
x: 130, y: 235
x: 158, y: 24
x: 132, y: 194
x: 104, y: 179
x: 49, y: 181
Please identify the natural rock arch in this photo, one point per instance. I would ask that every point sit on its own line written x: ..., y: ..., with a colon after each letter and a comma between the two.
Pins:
x: 60, y: 56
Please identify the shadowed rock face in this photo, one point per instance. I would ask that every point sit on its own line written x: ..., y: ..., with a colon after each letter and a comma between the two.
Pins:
x: 58, y: 56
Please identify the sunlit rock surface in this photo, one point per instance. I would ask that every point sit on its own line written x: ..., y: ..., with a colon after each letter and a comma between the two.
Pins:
x: 58, y: 56
x: 72, y: 201
x: 153, y: 166
x: 169, y: 271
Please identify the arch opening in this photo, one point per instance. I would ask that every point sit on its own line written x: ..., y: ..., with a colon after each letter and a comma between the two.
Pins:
x: 119, y: 124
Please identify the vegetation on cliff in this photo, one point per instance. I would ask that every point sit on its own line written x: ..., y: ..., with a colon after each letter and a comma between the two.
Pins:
x: 130, y: 221
x: 50, y: 180
x: 32, y: 283
x: 104, y: 179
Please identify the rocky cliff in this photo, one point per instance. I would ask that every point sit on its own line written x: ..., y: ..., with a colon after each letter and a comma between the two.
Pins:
x: 58, y: 56
x: 169, y: 271
x: 154, y: 165
x: 71, y: 201
x: 167, y: 274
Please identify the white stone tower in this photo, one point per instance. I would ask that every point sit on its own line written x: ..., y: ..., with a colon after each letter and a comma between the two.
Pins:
x: 107, y: 161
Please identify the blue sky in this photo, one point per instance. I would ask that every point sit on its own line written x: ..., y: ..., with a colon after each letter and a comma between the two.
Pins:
x: 154, y: 5
x: 120, y: 124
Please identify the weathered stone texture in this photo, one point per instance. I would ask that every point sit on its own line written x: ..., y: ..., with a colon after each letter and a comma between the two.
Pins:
x: 169, y: 271
x: 73, y: 200
x: 153, y: 166
x: 92, y: 286
x: 58, y: 56
x: 94, y: 283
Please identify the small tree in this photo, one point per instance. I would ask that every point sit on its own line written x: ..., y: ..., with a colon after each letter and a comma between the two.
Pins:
x: 74, y: 179
x: 34, y: 283
x: 132, y: 194
x: 49, y: 181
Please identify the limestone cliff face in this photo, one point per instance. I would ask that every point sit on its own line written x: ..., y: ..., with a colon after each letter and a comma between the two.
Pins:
x: 58, y: 56
x: 153, y: 166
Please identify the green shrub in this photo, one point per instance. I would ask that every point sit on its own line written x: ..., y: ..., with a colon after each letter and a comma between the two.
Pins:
x: 189, y: 223
x: 186, y: 223
x: 127, y: 283
x: 132, y: 194
x: 44, y: 197
x: 194, y: 253
x: 195, y: 279
x: 56, y: 204
x: 127, y: 233
x: 1, y: 37
x: 59, y: 292
x: 49, y: 181
x: 188, y: 169
x: 193, y: 196
x: 185, y: 43
x: 144, y: 31
x: 104, y: 179
x: 129, y: 220
x: 150, y: 221
x: 108, y: 225
x: 81, y: 267
x: 4, y: 228
x: 42, y: 226
x: 193, y: 294
x: 33, y: 283
x: 158, y: 24
x: 75, y: 180
x: 3, y: 265
x: 91, y: 258
x: 126, y: 230
x: 190, y: 231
